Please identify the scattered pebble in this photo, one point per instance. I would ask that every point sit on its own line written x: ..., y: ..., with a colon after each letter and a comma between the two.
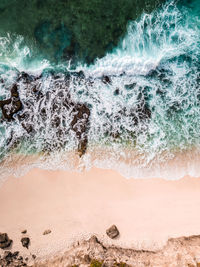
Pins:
x: 46, y: 232
x: 34, y: 256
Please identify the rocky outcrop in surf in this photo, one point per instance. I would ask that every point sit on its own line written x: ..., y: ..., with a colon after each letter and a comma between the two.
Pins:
x: 12, y: 105
x: 47, y: 112
x: 39, y: 110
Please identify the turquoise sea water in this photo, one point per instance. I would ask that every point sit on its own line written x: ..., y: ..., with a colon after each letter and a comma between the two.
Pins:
x: 134, y: 64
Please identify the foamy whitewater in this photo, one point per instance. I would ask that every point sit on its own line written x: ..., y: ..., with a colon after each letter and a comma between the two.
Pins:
x: 144, y: 119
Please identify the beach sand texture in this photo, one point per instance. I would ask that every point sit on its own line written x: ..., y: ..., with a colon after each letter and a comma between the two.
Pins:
x: 75, y: 206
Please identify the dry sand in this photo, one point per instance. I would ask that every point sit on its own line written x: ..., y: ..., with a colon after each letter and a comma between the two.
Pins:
x: 76, y: 205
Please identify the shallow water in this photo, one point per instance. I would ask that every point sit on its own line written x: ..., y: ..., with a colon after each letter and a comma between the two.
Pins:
x: 142, y: 91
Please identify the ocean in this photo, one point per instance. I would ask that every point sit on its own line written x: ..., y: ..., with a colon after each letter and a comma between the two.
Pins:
x: 112, y: 84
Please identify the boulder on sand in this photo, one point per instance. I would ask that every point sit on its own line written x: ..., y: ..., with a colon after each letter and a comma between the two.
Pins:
x: 5, y: 241
x: 112, y: 232
x: 25, y: 242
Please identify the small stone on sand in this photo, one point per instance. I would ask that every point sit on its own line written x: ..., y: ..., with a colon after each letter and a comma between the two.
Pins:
x: 25, y: 242
x: 46, y: 232
x: 112, y: 232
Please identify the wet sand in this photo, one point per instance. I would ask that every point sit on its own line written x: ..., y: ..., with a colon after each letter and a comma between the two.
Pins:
x: 76, y: 205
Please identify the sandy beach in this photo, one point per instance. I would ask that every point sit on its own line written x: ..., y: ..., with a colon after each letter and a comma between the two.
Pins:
x: 75, y: 206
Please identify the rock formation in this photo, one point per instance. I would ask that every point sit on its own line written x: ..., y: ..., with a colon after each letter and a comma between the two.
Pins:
x: 183, y: 251
x: 5, y: 241
x: 12, y: 259
x: 32, y: 111
x: 58, y: 115
x: 25, y: 242
x: 11, y: 105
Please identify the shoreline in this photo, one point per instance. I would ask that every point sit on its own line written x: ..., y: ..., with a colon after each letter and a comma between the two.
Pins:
x: 126, y: 162
x: 75, y: 206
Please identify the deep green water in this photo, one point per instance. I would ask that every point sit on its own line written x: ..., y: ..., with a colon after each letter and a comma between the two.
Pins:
x: 64, y: 29
x: 150, y: 50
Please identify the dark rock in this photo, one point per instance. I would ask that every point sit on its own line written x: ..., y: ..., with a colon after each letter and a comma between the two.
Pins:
x: 56, y: 122
x: 116, y: 92
x: 27, y: 127
x: 3, y: 237
x: 10, y: 259
x: 80, y: 125
x: 140, y: 112
x: 15, y: 254
x: 25, y: 242
x: 106, y: 80
x: 12, y: 105
x: 87, y: 259
x: 34, y: 256
x: 24, y: 231
x: 7, y: 255
x: 5, y: 242
x: 14, y: 91
x: 25, y: 77
x: 46, y: 232
x: 112, y: 232
x: 13, y: 109
x: 26, y: 259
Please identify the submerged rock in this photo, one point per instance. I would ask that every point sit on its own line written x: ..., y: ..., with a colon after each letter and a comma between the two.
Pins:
x: 80, y: 125
x: 112, y: 232
x: 106, y: 79
x: 48, y: 106
x: 12, y: 105
x: 54, y: 107
x: 5, y: 241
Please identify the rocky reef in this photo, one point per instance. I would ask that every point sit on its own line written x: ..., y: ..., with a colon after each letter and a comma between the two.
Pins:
x: 39, y: 110
x: 48, y: 115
